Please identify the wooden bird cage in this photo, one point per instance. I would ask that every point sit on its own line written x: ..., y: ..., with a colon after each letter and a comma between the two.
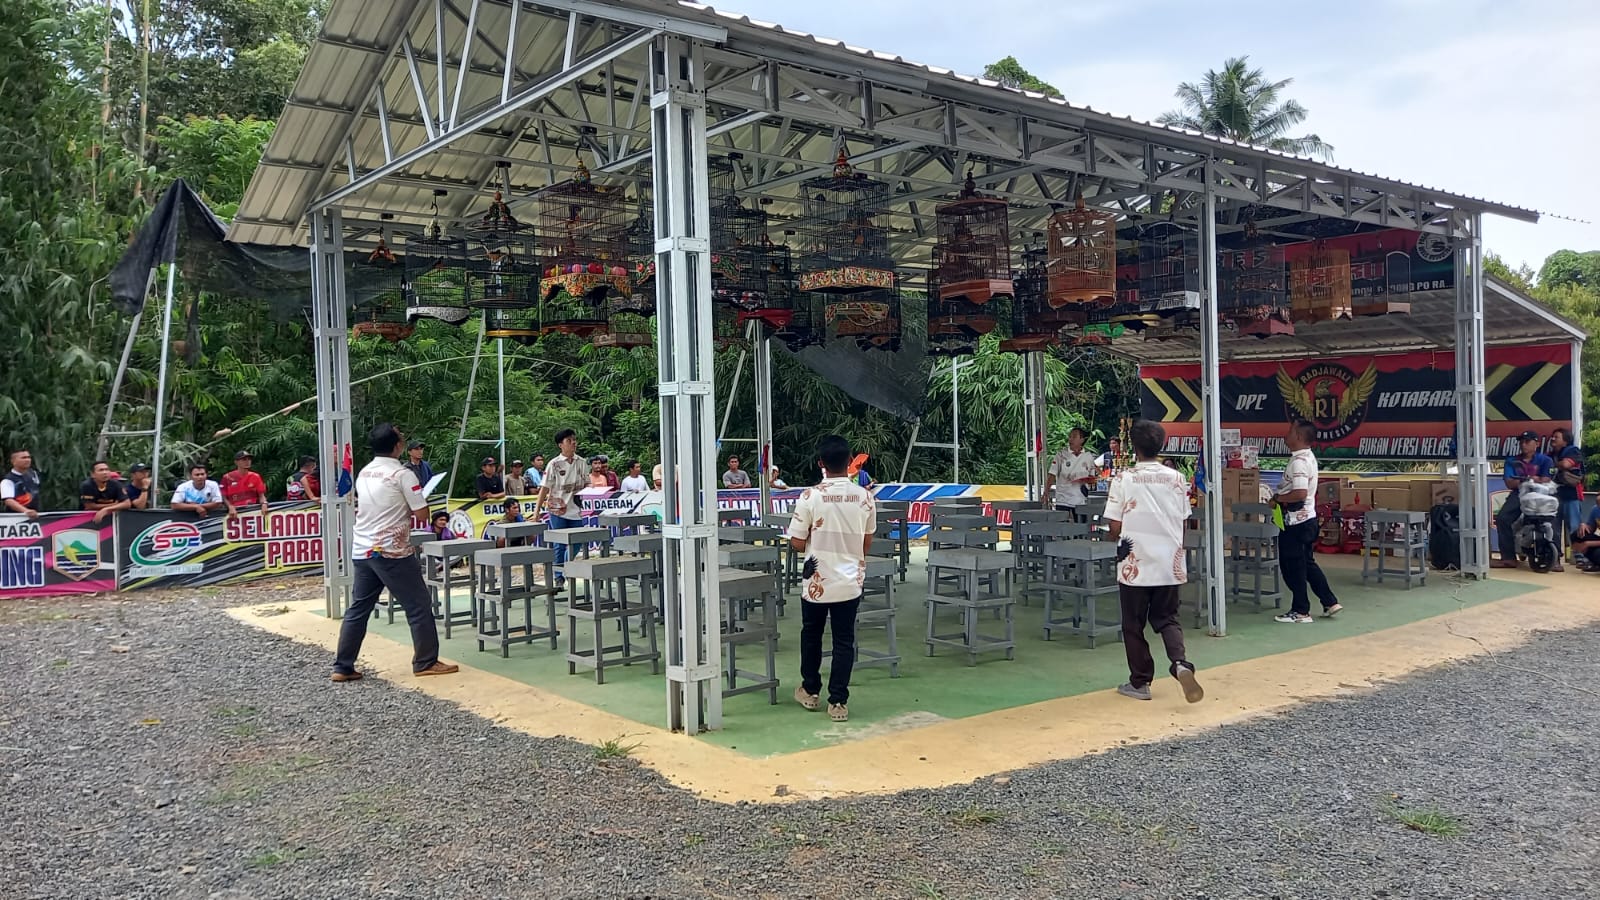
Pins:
x: 972, y: 248
x: 844, y: 246
x: 870, y: 318
x: 1391, y: 294
x: 1319, y: 284
x: 436, y: 285
x: 1169, y: 269
x: 1254, y: 275
x: 584, y: 230
x: 1082, y: 264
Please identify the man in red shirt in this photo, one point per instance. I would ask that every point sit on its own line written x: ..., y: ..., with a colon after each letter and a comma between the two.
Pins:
x: 242, y: 487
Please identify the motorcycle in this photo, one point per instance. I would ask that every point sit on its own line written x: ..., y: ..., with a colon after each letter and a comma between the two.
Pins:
x: 1536, y: 529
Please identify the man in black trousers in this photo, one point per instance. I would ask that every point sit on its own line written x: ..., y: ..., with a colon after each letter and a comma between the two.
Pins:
x: 389, y: 504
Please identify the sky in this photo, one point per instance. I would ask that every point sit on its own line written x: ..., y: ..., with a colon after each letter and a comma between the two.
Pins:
x: 1497, y: 100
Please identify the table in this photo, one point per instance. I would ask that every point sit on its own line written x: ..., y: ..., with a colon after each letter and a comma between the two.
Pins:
x: 1400, y: 531
x: 1086, y: 571
x: 972, y: 568
x: 497, y: 594
x: 516, y: 533
x: 438, y: 559
x: 621, y: 520
x: 597, y: 607
x: 747, y: 534
x: 742, y: 591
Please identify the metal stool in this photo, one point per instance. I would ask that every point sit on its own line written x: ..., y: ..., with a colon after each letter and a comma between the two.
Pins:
x: 753, y: 558
x: 1253, y: 555
x: 516, y: 534
x: 1086, y: 571
x: 498, y: 592
x: 614, y: 573
x: 893, y: 538
x: 1403, y: 533
x: 1028, y: 543
x: 741, y: 590
x: 438, y: 558
x: 877, y: 611
x: 971, y: 568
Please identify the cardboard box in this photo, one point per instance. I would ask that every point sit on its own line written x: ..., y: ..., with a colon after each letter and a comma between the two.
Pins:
x: 1353, y: 495
x: 1443, y: 492
x: 1328, y: 490
x: 1391, y: 496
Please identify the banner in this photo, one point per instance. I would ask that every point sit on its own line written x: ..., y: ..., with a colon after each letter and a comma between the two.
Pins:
x: 1394, y: 406
x: 56, y: 553
x: 162, y: 548
x: 469, y: 518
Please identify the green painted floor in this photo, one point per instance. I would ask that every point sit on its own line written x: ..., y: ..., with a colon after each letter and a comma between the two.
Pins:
x: 930, y: 689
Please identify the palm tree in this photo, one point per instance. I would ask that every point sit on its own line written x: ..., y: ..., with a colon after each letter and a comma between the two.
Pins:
x: 1239, y: 103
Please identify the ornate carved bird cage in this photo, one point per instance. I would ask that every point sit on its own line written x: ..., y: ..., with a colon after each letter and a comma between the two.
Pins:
x: 384, y: 315
x: 870, y: 318
x: 971, y: 266
x: 845, y: 248
x: 1169, y: 269
x: 1082, y: 257
x: 583, y: 229
x: 436, y: 284
x: 1319, y: 284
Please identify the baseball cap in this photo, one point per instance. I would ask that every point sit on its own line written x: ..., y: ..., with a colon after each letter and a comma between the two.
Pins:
x: 1528, y: 436
x: 487, y: 461
x: 243, y: 454
x: 138, y: 467
x: 516, y: 462
x: 416, y: 445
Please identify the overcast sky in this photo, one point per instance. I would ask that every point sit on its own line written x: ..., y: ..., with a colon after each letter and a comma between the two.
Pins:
x: 1489, y: 99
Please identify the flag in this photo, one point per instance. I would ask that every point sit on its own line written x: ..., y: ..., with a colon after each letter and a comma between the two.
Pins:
x: 346, y: 478
x: 1200, y: 472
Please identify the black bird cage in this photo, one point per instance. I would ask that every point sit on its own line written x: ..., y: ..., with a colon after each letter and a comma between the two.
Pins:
x: 384, y: 315
x: 1254, y: 275
x: 641, y: 239
x: 503, y: 271
x: 1035, y: 324
x: 1169, y: 269
x: 436, y: 285
x: 520, y: 324
x: 749, y: 271
x: 972, y: 247
x: 844, y: 245
x: 583, y: 230
x: 808, y: 323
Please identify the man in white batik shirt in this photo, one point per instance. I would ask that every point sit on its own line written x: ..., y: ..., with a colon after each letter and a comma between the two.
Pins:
x: 832, y: 525
x: 1146, y: 509
x: 1071, y: 472
x: 1297, y: 495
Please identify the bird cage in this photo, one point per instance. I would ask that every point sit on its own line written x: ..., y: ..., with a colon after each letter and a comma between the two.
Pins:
x: 1254, y: 275
x: 435, y: 263
x: 1319, y: 284
x: 584, y: 230
x: 844, y: 246
x: 1169, y: 269
x: 1392, y: 292
x: 1035, y: 324
x: 384, y: 315
x: 624, y: 328
x: 502, y: 272
x: 726, y: 329
x: 870, y: 318
x: 749, y: 272
x: 807, y: 324
x: 1082, y: 264
x: 520, y: 324
x: 582, y: 315
x: 1263, y: 321
x: 972, y: 247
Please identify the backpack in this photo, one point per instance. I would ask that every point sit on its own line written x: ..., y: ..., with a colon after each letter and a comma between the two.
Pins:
x: 1444, y: 537
x: 295, y: 489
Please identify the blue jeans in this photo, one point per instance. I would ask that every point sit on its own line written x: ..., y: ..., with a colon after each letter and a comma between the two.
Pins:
x: 563, y: 522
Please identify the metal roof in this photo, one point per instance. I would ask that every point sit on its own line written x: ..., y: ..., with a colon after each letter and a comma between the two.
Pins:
x: 372, y: 107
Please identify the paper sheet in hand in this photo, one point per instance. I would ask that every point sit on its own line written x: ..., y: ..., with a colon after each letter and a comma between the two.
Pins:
x: 427, y: 489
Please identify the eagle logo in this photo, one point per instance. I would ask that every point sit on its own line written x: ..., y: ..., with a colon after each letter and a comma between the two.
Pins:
x: 1329, y: 396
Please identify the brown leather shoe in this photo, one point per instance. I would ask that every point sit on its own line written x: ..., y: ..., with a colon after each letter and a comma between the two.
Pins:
x: 348, y: 676
x: 1502, y: 564
x: 439, y: 668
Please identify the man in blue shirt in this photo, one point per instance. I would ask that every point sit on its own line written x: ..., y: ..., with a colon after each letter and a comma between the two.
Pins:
x: 1530, y: 463
x: 1567, y: 462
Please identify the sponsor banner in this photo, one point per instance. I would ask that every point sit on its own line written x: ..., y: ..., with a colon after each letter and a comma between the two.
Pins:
x: 1393, y: 406
x: 472, y: 517
x: 921, y: 497
x: 161, y: 548
x: 56, y: 553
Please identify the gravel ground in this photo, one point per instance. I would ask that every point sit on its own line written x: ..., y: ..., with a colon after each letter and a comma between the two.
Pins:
x: 152, y: 747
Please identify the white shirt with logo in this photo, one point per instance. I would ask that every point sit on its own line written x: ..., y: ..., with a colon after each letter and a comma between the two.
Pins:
x: 1066, y: 468
x: 188, y: 493
x: 564, y: 478
x: 386, y: 493
x: 1152, y: 502
x: 1300, y: 475
x: 834, y: 519
x: 635, y: 484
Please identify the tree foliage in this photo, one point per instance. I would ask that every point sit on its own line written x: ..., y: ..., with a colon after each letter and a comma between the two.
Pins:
x: 1569, y: 268
x: 1010, y: 73
x: 1241, y: 104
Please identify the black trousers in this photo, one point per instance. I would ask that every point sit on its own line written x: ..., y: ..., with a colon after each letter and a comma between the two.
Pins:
x: 1157, y: 605
x: 813, y: 618
x: 1298, y: 560
x: 403, y: 578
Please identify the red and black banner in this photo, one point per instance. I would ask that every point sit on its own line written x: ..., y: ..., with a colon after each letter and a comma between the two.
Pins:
x: 1397, y: 406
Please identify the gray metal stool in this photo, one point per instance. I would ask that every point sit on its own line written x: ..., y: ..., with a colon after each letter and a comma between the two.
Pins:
x: 1403, y: 533
x: 516, y: 534
x: 1028, y: 543
x: 438, y: 559
x: 741, y: 590
x: 753, y: 558
x: 498, y: 593
x: 893, y: 538
x: 971, y: 568
x: 598, y: 607
x: 1086, y: 571
x: 1253, y: 570
x: 877, y: 611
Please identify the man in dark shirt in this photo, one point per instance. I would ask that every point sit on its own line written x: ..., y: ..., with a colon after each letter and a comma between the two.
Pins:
x: 417, y: 464
x: 19, y: 488
x: 1568, y: 474
x: 1530, y: 463
x: 102, y: 494
x: 138, y: 486
x: 490, y: 485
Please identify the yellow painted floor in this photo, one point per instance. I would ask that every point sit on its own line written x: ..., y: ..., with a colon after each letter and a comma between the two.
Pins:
x: 954, y: 751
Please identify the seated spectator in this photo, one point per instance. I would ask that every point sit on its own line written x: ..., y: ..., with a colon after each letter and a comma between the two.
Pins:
x: 490, y: 485
x: 775, y: 482
x: 440, y: 526
x: 19, y: 488
x: 198, y: 495
x: 1586, y: 542
x: 242, y: 487
x: 303, y: 484
x: 138, y: 486
x: 102, y: 494
x: 635, y: 483
x: 535, y: 475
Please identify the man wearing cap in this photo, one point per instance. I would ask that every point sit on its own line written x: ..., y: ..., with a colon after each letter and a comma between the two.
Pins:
x: 490, y: 485
x: 735, y: 477
x: 515, y: 482
x: 1529, y: 463
x: 138, y: 486
x: 419, y: 466
x: 242, y: 487
x: 303, y: 484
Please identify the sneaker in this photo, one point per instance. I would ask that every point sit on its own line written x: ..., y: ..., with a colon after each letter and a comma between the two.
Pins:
x: 838, y: 712
x: 1329, y: 612
x: 439, y: 668
x: 1192, y: 691
x: 1294, y: 618
x: 1137, y: 693
x: 809, y: 701
x: 348, y: 676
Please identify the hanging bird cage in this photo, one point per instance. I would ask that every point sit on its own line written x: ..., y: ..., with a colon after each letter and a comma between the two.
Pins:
x: 1082, y: 257
x: 1035, y: 324
x: 1254, y: 275
x: 436, y: 284
x: 844, y: 246
x: 749, y: 272
x: 582, y: 315
x: 1394, y: 294
x: 870, y: 318
x: 1319, y: 284
x: 583, y: 229
x: 807, y: 313
x: 726, y: 329
x: 624, y: 329
x: 641, y: 239
x: 1263, y: 321
x: 972, y: 247
x: 514, y: 324
x: 502, y: 272
x: 384, y: 316
x: 1169, y: 269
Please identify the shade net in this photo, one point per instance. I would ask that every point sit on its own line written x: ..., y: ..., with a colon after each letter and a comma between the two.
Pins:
x: 895, y: 382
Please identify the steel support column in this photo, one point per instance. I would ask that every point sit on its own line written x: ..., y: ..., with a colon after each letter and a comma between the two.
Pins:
x: 1035, y: 420
x: 161, y: 378
x: 1472, y: 443
x: 331, y: 344
x: 1211, y: 413
x: 763, y: 367
x: 685, y: 367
